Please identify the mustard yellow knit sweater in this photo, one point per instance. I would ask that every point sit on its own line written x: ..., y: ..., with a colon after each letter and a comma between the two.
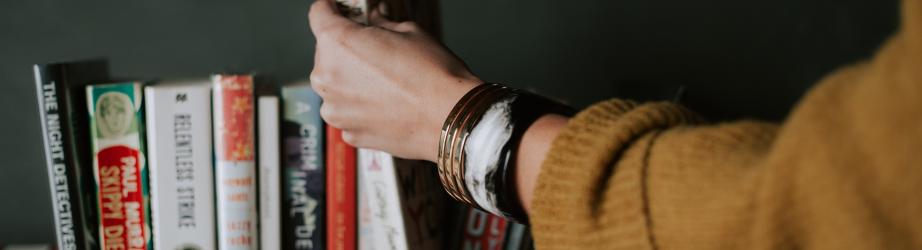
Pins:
x: 844, y: 171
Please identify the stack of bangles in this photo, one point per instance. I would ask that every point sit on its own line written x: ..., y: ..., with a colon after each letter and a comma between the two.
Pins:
x: 478, y: 142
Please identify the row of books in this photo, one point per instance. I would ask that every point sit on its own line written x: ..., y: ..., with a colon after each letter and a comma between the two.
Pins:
x: 228, y: 163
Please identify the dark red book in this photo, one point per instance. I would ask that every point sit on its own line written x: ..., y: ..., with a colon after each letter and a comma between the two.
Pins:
x: 482, y: 230
x: 341, y: 196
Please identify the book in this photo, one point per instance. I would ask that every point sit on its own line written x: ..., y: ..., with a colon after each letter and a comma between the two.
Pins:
x: 427, y: 209
x: 482, y: 230
x: 181, y: 167
x: 518, y: 237
x: 235, y: 163
x: 269, y: 177
x: 61, y: 89
x: 365, y: 220
x: 357, y: 10
x: 341, y: 196
x: 378, y: 178
x: 304, y: 182
x: 407, y: 208
x: 120, y: 169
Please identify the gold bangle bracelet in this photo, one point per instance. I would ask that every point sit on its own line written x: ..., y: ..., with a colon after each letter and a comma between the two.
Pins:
x: 492, y: 118
x: 447, y: 138
x: 458, y: 156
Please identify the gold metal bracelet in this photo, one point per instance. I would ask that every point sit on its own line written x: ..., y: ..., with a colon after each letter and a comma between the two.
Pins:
x: 450, y: 182
x: 472, y: 115
x: 447, y: 138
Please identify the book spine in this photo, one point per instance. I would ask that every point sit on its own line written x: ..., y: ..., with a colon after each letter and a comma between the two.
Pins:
x: 379, y: 183
x: 304, y: 181
x: 427, y: 209
x: 516, y: 236
x: 341, y: 196
x: 120, y: 170
x: 483, y: 230
x: 269, y: 177
x: 181, y: 170
x: 58, y: 156
x: 235, y: 163
x: 366, y: 223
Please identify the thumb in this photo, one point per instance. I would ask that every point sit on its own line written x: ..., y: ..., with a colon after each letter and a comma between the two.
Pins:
x: 325, y: 19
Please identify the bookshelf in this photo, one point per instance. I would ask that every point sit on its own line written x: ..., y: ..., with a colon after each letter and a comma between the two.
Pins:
x: 581, y: 53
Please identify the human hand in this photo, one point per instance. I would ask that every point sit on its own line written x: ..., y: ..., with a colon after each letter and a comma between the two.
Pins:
x: 387, y: 86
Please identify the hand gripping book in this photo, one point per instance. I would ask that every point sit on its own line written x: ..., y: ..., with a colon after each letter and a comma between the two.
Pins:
x: 304, y: 182
x: 270, y: 195
x: 235, y: 162
x: 61, y: 89
x: 120, y: 169
x: 341, y: 174
x: 181, y: 167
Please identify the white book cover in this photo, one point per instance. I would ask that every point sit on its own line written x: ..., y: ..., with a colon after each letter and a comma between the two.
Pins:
x: 379, y: 187
x: 181, y: 174
x: 269, y: 177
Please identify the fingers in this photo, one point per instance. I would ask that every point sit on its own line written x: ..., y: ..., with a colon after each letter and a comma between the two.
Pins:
x: 325, y: 20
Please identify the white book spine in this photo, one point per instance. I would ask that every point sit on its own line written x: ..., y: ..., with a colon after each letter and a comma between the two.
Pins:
x: 366, y: 226
x: 269, y: 176
x: 181, y: 174
x: 380, y: 184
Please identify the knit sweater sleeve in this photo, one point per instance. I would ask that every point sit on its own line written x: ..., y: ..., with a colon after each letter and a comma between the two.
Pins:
x: 844, y: 171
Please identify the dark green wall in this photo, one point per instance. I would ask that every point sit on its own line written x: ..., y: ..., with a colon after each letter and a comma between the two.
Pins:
x: 736, y: 59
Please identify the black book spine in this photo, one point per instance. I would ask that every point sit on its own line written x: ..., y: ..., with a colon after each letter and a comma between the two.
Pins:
x: 61, y: 101
x: 303, y: 188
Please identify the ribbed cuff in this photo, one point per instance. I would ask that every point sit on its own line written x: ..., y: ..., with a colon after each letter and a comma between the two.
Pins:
x: 581, y: 201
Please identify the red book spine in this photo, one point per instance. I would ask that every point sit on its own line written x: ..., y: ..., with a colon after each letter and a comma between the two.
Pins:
x: 341, y: 196
x: 483, y: 230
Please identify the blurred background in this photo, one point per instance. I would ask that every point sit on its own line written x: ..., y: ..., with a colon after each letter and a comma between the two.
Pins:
x: 734, y: 59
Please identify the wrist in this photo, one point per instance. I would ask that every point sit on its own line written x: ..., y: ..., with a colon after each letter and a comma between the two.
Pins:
x: 443, y: 100
x: 532, y: 151
x: 478, y: 144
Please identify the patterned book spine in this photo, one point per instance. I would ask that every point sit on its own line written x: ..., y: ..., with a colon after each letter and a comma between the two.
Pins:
x: 61, y: 97
x: 269, y: 177
x: 120, y: 170
x: 181, y: 167
x: 235, y: 169
x: 303, y: 133
x: 341, y: 196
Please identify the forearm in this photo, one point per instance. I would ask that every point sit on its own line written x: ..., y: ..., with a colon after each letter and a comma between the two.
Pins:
x: 531, y: 153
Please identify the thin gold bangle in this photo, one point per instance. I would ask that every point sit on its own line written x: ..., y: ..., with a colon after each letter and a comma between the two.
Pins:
x: 448, y: 126
x: 450, y: 178
x: 472, y: 115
